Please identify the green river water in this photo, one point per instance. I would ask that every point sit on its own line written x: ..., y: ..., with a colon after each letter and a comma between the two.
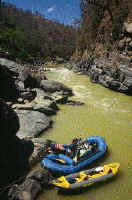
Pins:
x: 106, y: 113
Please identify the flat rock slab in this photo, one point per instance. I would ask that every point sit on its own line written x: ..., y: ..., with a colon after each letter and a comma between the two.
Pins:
x: 11, y: 65
x: 32, y: 123
x: 54, y: 86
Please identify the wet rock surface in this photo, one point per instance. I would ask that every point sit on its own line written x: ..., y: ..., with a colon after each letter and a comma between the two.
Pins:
x: 36, y: 180
x: 40, y: 150
x: 34, y: 183
x: 32, y: 123
x: 74, y: 103
x: 20, y: 82
x: 104, y: 72
x: 34, y: 97
x: 53, y: 86
x: 25, y: 108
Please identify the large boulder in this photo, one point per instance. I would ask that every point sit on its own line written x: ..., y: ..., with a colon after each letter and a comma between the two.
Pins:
x: 41, y: 146
x: 30, y: 80
x: 105, y: 80
x: 126, y: 71
x: 32, y: 123
x: 128, y: 82
x: 53, y: 86
x: 43, y: 106
x: 128, y: 27
x: 10, y: 65
x: 115, y: 85
x: 35, y: 182
x: 22, y: 73
x: 28, y: 95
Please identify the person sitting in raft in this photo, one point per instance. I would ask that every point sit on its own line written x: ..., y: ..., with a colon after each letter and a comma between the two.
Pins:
x: 86, y: 149
x: 77, y: 150
x: 66, y: 149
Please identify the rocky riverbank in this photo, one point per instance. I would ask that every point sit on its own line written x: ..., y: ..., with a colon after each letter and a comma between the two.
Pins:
x: 114, y: 70
x: 104, y: 72
x: 26, y: 103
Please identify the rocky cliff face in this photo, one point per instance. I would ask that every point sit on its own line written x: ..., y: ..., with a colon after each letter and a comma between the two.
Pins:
x: 125, y: 42
x: 105, y: 72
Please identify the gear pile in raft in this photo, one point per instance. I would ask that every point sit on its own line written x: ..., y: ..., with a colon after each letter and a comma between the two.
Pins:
x: 69, y: 160
x: 87, y: 177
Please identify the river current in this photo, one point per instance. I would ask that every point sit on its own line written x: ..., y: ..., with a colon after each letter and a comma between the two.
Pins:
x: 107, y: 114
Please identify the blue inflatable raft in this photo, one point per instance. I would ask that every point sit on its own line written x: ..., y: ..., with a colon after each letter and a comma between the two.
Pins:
x: 64, y: 164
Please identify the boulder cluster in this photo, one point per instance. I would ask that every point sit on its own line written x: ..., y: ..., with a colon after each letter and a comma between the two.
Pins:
x: 114, y: 70
x: 105, y: 72
x: 26, y: 102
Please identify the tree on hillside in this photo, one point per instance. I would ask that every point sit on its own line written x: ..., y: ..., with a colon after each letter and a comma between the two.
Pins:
x: 41, y: 37
x: 101, y: 22
x: 0, y: 7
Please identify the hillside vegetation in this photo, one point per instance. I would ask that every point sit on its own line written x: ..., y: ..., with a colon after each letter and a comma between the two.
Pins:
x: 27, y: 36
x: 100, y: 30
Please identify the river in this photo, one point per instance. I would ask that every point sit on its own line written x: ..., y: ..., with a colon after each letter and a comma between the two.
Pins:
x: 107, y: 114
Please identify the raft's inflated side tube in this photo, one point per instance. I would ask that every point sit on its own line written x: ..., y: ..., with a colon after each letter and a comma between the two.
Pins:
x: 70, y: 165
x: 87, y: 177
x: 91, y: 181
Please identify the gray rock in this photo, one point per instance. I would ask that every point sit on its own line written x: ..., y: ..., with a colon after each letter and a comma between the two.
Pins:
x: 59, y: 97
x: 115, y: 85
x: 28, y: 95
x: 11, y: 65
x: 105, y: 80
x: 128, y: 27
x: 45, y: 110
x: 24, y: 74
x: 122, y: 44
x: 130, y: 44
x: 128, y: 82
x: 40, y: 150
x: 74, y: 103
x: 32, y: 123
x: 113, y: 74
x: 46, y: 101
x: 52, y: 98
x: 126, y: 71
x: 20, y: 85
x: 40, y: 92
x: 35, y: 107
x: 53, y: 86
x: 123, y: 88
x: 31, y: 187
